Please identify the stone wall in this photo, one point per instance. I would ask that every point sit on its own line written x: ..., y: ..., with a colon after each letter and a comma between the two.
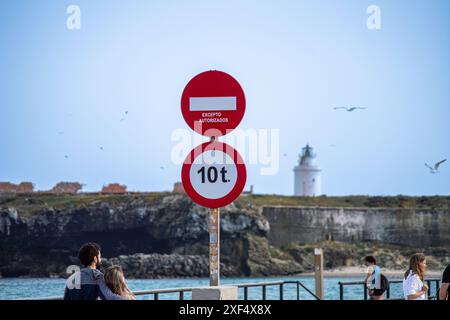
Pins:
x: 411, y: 227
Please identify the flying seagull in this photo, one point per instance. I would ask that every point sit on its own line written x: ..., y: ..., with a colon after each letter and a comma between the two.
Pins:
x: 436, y: 166
x: 123, y: 119
x: 101, y: 148
x: 350, y: 109
x: 162, y: 168
x: 66, y: 156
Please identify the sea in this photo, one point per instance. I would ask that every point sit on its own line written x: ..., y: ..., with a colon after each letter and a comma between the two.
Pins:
x: 26, y: 288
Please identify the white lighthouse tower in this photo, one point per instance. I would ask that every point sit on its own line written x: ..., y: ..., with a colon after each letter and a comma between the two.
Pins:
x: 307, y: 175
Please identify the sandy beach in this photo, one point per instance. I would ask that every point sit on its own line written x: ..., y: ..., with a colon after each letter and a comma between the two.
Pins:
x: 361, y: 272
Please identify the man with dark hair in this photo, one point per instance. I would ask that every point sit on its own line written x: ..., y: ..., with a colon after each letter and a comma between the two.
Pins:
x: 444, y: 290
x: 88, y: 283
x: 90, y: 253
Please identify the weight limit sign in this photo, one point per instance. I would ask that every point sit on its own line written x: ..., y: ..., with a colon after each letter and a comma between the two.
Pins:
x: 213, y: 174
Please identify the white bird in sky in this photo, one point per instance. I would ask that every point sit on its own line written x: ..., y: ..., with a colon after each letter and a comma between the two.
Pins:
x: 349, y: 109
x: 123, y: 119
x: 436, y: 166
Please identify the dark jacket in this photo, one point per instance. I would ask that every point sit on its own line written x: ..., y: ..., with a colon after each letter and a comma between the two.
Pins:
x: 88, y: 284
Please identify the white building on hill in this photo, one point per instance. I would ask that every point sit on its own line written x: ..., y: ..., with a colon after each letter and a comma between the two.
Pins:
x: 307, y: 175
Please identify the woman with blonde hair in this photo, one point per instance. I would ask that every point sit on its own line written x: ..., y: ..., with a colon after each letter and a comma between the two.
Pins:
x: 414, y: 287
x: 115, y: 280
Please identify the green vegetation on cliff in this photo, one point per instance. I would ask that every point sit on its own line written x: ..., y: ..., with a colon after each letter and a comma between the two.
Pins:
x: 400, y: 201
x: 32, y: 203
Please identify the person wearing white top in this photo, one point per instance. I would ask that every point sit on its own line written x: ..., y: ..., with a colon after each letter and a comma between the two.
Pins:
x: 413, y: 286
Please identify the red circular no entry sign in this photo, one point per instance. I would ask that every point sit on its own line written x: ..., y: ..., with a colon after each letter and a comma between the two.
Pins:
x: 213, y: 174
x: 213, y: 103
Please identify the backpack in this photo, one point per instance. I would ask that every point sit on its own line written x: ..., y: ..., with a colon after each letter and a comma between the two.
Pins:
x: 384, y: 282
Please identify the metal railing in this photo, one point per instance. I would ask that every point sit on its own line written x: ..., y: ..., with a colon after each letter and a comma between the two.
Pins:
x: 388, y: 290
x: 280, y: 284
x: 245, y: 286
x: 156, y: 293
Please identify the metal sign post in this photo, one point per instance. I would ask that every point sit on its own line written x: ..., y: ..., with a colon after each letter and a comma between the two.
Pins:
x: 213, y: 173
x: 214, y: 247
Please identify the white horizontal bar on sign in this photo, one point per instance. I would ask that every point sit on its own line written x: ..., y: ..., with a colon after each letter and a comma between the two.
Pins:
x: 212, y: 103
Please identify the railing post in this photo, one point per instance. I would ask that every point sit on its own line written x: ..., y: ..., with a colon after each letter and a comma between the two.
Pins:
x: 437, y: 288
x: 388, y: 292
x: 429, y: 288
x: 341, y: 291
x: 365, y: 290
x: 298, y: 291
x: 156, y: 296
x: 245, y: 293
x: 264, y: 292
x: 181, y: 295
x: 281, y: 291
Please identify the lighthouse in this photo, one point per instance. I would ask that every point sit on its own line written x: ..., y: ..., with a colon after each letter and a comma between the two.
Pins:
x: 307, y: 175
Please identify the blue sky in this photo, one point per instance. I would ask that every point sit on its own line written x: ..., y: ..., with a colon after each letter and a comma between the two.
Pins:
x: 63, y: 92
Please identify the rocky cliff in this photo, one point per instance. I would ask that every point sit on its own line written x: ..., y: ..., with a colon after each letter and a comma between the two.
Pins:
x: 165, y: 236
